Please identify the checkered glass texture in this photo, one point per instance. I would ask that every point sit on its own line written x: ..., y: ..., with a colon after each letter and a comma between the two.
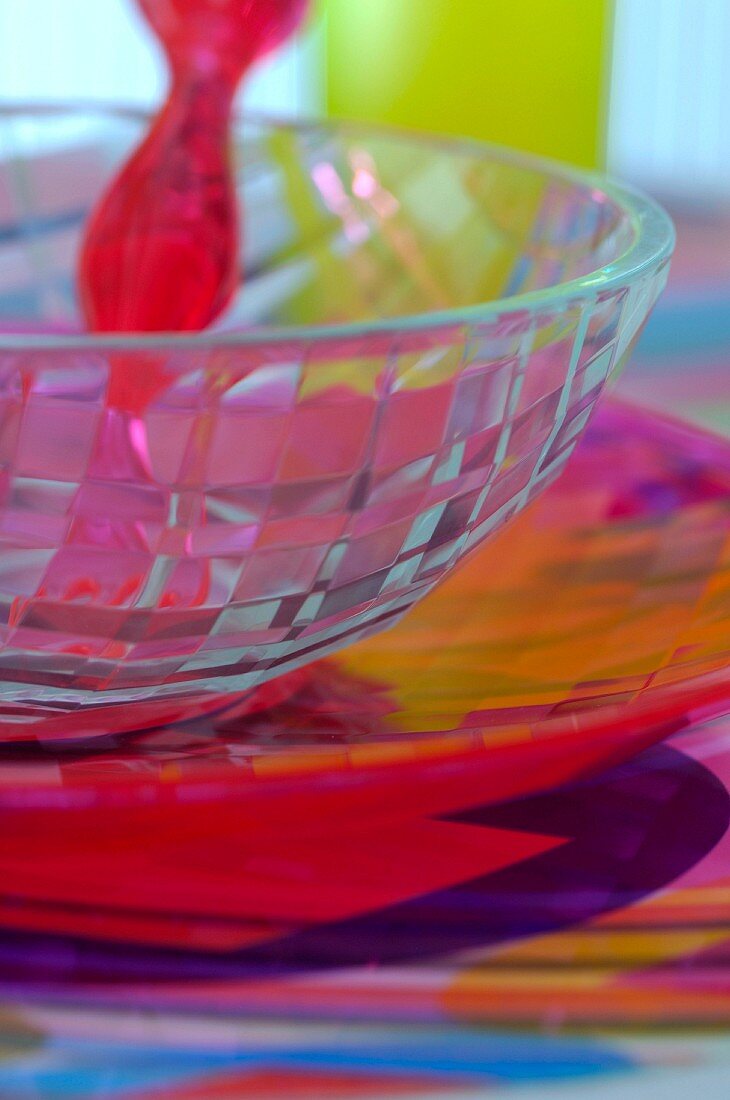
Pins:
x: 270, y: 502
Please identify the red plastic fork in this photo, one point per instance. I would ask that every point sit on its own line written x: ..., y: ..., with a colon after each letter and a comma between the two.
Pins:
x: 161, y: 249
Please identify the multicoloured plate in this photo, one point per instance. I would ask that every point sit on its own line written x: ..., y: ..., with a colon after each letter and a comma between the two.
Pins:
x: 177, y: 930
x: 595, y: 625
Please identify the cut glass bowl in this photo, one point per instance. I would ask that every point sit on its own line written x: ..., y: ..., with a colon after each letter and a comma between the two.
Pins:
x: 423, y: 331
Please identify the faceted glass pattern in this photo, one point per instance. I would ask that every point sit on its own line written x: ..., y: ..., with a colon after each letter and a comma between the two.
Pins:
x: 285, y: 489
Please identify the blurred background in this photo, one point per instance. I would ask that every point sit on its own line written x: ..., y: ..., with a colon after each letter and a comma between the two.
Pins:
x: 640, y: 87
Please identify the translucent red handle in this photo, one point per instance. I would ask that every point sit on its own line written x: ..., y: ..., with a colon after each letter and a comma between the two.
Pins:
x: 161, y: 249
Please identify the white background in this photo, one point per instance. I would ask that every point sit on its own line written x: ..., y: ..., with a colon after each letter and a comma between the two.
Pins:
x: 101, y: 50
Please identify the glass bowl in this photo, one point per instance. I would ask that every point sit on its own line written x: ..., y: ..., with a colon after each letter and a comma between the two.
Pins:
x: 424, y: 328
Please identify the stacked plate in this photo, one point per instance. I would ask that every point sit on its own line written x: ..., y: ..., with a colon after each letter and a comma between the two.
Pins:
x: 194, y: 911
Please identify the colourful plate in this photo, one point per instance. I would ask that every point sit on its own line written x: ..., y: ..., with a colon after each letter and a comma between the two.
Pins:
x: 595, y: 625
x: 599, y: 904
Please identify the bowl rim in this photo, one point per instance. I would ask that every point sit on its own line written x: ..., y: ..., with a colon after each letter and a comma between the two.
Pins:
x: 653, y: 242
